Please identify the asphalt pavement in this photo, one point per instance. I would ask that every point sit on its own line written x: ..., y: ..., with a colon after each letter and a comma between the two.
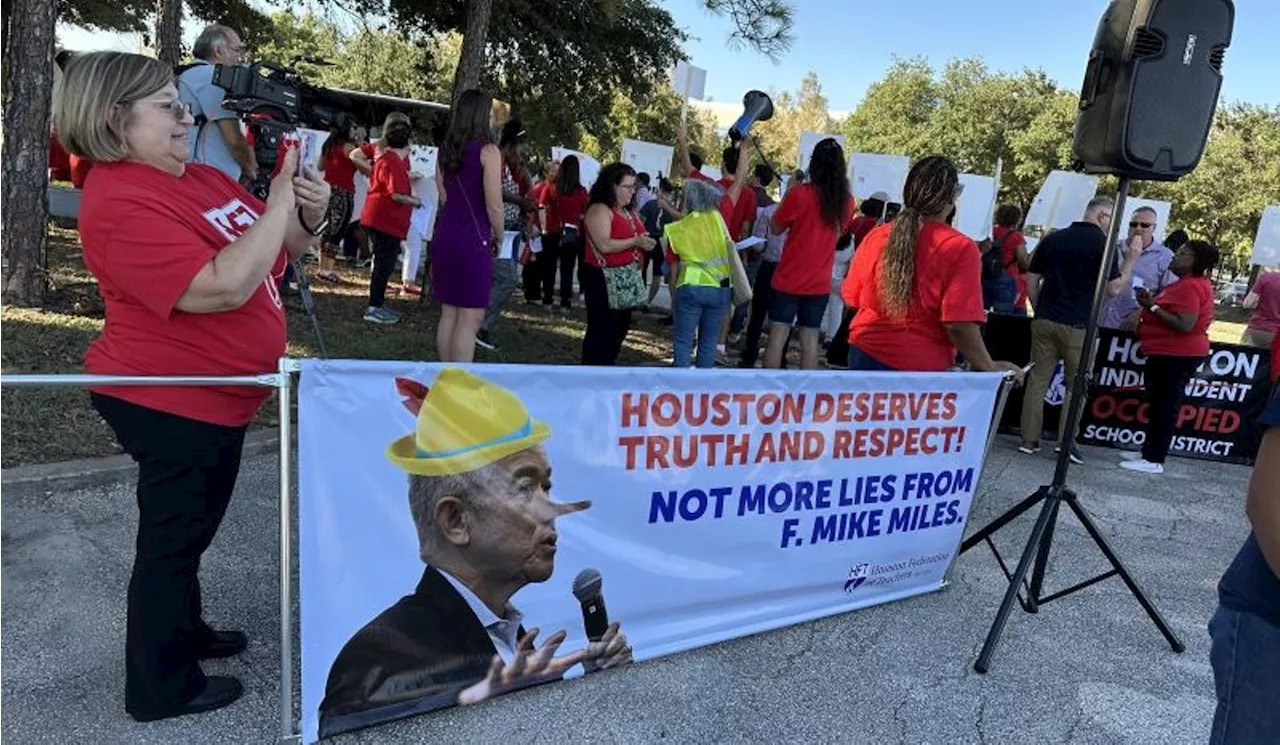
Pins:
x: 1088, y: 668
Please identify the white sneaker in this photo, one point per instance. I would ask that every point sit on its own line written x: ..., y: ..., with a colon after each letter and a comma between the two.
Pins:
x: 1131, y: 455
x: 1142, y: 466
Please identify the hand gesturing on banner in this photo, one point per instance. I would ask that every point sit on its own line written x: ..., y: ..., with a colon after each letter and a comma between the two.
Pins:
x: 612, y: 650
x: 529, y: 667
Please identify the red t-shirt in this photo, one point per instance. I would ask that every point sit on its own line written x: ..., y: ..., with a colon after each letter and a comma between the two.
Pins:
x: 339, y: 171
x: 564, y: 209
x: 735, y: 214
x: 948, y: 289
x: 80, y: 168
x: 1009, y: 241
x: 862, y: 225
x: 810, y: 250
x: 1266, y: 314
x: 381, y: 212
x: 700, y: 176
x: 625, y: 225
x: 1187, y: 295
x: 146, y: 235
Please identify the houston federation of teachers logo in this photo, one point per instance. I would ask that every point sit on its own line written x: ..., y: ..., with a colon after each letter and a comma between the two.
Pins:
x: 858, y: 574
x: 886, y: 573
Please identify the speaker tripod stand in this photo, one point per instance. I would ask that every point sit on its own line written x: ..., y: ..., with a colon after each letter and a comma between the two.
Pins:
x: 1035, y: 557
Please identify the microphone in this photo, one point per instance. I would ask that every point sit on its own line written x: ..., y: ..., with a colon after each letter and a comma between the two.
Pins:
x: 587, y: 588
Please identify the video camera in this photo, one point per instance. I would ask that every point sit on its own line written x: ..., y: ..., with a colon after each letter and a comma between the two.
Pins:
x: 274, y: 95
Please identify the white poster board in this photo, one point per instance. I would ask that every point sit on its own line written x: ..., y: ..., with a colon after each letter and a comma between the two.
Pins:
x: 648, y: 157
x: 588, y: 167
x: 1133, y: 204
x: 422, y: 159
x: 1061, y: 200
x: 711, y: 172
x: 872, y: 172
x: 810, y: 140
x: 975, y: 205
x: 1266, y: 246
x: 689, y: 81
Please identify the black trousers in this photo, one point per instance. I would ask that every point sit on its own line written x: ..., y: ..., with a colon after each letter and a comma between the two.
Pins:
x: 762, y: 296
x: 186, y: 472
x: 571, y: 255
x: 386, y: 248
x: 1166, y: 382
x: 542, y: 272
x: 606, y: 328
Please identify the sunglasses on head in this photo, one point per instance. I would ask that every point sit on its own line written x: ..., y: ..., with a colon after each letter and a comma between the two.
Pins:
x: 1136, y: 224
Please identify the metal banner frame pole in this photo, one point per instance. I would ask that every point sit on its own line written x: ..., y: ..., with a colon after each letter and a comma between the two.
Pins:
x: 282, y: 381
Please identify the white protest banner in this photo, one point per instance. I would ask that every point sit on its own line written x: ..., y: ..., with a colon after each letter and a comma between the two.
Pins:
x: 973, y: 208
x: 1061, y: 200
x: 810, y: 140
x: 648, y: 157
x: 872, y: 172
x: 711, y: 172
x: 689, y: 81
x: 588, y: 167
x: 1266, y: 246
x: 1133, y: 204
x: 712, y: 507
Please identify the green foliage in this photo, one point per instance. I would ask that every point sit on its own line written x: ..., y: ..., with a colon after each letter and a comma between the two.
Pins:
x: 805, y: 110
x: 653, y: 118
x: 137, y: 15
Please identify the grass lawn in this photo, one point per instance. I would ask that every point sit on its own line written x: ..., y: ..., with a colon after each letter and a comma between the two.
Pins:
x: 46, y: 425
x: 53, y: 424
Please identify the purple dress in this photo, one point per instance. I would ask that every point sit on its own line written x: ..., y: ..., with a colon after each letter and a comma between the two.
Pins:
x: 461, y: 258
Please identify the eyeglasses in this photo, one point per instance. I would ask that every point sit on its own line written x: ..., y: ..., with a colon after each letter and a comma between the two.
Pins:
x: 177, y: 108
x: 1136, y: 224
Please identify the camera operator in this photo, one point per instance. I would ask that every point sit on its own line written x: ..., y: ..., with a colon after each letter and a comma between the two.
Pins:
x: 216, y: 140
x: 186, y: 262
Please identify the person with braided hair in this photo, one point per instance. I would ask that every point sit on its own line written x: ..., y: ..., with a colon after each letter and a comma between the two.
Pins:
x: 917, y: 284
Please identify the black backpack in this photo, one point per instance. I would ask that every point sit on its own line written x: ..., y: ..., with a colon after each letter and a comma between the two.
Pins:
x: 993, y: 263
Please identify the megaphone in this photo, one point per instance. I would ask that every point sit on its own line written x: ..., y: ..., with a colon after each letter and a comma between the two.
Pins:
x: 757, y: 107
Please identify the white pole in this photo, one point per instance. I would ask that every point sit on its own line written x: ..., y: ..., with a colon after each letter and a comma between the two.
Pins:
x: 286, y: 552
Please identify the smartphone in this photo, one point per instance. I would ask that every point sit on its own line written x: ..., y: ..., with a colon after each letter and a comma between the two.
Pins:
x: 294, y: 141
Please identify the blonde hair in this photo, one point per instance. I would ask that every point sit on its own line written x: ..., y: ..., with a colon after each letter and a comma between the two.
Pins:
x: 93, y: 106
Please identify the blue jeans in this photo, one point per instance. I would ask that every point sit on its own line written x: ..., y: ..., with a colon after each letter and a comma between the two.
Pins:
x: 700, y: 309
x: 860, y: 360
x: 1246, y: 672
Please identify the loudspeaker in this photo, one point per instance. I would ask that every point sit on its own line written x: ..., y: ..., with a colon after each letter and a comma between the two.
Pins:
x: 756, y: 107
x: 1151, y: 87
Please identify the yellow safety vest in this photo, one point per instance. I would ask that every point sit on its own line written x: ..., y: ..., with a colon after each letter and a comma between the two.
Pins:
x: 700, y: 241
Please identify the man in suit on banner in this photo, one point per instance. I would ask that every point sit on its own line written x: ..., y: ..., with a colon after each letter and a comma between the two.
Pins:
x: 479, y: 482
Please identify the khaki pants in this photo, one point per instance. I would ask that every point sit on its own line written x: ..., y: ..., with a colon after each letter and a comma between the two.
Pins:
x: 1255, y: 338
x: 1050, y: 342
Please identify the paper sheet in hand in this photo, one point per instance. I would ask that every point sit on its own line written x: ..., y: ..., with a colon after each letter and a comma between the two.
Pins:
x: 810, y: 140
x: 1133, y: 204
x: 974, y: 208
x: 872, y: 172
x: 648, y: 157
x: 511, y: 244
x: 1061, y: 200
x: 749, y: 242
x: 1266, y: 246
x: 422, y: 159
x: 588, y: 167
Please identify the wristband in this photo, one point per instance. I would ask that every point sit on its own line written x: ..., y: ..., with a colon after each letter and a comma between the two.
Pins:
x: 317, y: 230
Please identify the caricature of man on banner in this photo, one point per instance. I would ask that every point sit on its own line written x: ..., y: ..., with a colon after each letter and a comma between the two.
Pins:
x: 478, y: 494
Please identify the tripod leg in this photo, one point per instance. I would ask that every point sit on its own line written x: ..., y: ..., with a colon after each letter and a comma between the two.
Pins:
x: 1015, y: 582
x: 1174, y: 642
x: 1003, y: 520
x: 1042, y: 562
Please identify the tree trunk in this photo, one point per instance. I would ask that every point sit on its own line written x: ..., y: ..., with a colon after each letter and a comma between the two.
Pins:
x: 28, y: 72
x: 474, y: 39
x: 169, y: 32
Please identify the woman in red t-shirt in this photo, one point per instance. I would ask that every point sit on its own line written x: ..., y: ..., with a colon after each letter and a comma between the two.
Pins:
x: 1174, y: 335
x: 1013, y: 252
x: 615, y: 237
x: 814, y: 215
x: 187, y: 263
x: 917, y: 284
x: 386, y: 214
x: 566, y: 203
x: 340, y: 173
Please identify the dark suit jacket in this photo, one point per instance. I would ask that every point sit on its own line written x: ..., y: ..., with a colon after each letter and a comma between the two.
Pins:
x: 417, y: 656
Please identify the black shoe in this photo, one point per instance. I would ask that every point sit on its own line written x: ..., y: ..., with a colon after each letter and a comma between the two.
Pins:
x: 224, y: 644
x: 482, y: 339
x: 219, y: 691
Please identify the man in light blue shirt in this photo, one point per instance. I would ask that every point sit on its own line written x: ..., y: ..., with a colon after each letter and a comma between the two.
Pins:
x: 216, y: 139
x: 1152, y: 271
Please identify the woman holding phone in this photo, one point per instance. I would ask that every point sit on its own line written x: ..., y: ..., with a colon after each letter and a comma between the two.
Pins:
x: 1174, y: 335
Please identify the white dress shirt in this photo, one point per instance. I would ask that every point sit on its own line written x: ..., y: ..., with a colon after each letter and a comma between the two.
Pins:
x: 505, y: 632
